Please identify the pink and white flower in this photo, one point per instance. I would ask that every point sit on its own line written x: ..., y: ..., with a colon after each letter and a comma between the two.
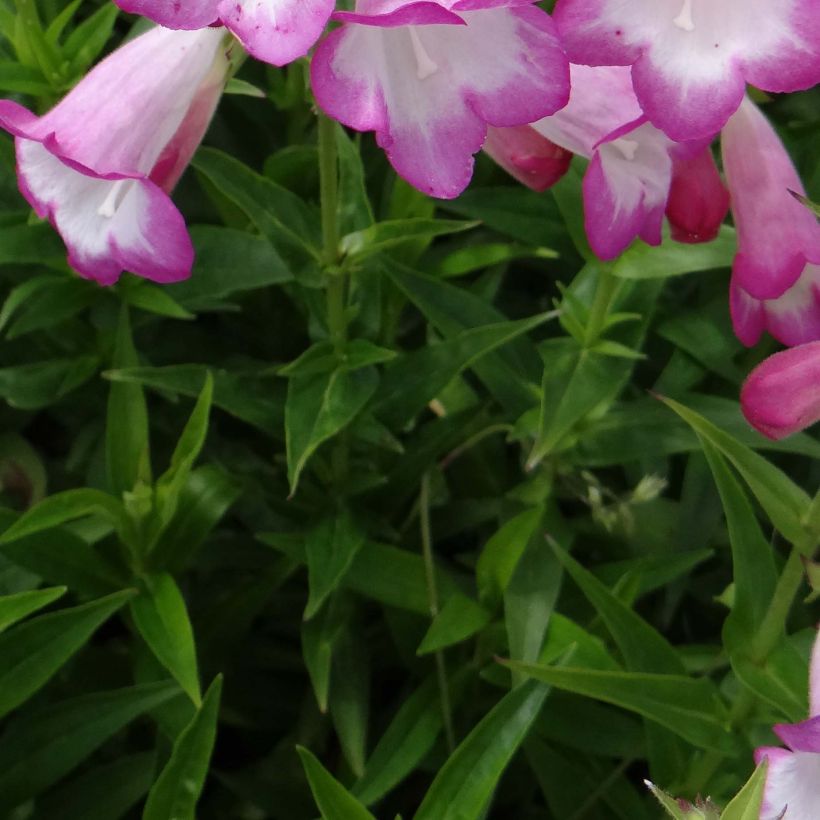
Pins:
x: 276, y: 31
x: 430, y: 77
x: 691, y: 59
x: 792, y: 790
x: 776, y: 273
x: 527, y: 156
x: 626, y: 187
x: 100, y: 164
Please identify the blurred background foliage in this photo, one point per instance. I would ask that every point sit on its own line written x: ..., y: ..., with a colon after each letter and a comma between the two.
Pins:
x: 208, y: 491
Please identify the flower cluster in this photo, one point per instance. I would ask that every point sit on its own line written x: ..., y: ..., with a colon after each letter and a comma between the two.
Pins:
x: 640, y: 88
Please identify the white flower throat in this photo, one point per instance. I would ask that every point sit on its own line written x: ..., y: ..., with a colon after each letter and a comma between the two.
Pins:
x: 684, y: 19
x: 425, y: 66
x: 119, y: 190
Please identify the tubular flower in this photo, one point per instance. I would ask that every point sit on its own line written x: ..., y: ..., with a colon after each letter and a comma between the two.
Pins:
x: 782, y: 396
x: 792, y: 790
x: 100, y: 164
x: 276, y: 31
x: 527, y: 156
x: 626, y: 186
x: 691, y: 59
x: 418, y: 74
x: 776, y: 273
x: 698, y: 200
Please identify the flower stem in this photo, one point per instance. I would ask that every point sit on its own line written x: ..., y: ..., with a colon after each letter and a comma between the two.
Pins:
x: 336, y: 293
x: 432, y: 598
x: 605, y: 291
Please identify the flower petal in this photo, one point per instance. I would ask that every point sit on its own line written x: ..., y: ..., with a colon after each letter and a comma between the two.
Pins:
x: 108, y: 225
x: 792, y: 783
x: 276, y: 31
x: 191, y: 14
x: 793, y: 318
x: 625, y: 190
x: 780, y: 397
x: 429, y: 91
x: 692, y: 58
x: 777, y: 235
x: 524, y: 154
x: 698, y: 200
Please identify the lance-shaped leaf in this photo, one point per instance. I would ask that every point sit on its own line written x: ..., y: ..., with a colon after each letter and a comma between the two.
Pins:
x: 464, y: 784
x: 175, y: 794
x: 32, y: 652
x: 335, y: 802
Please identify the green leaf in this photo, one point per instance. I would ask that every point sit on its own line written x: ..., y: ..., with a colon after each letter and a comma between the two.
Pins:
x: 155, y: 299
x: 61, y: 557
x: 459, y: 618
x: 643, y: 647
x: 33, y: 651
x: 526, y: 215
x: 319, y: 636
x: 529, y: 599
x: 162, y: 619
x: 784, y: 502
x: 392, y: 576
x: 32, y: 386
x: 88, y: 40
x: 392, y: 233
x: 405, y: 743
x: 227, y: 262
x: 465, y: 783
x: 575, y: 383
x: 244, y: 89
x: 40, y: 748
x: 355, y: 212
x: 206, y: 497
x: 45, y: 301
x: 282, y: 217
x: 170, y: 483
x: 62, y: 507
x: 753, y: 567
x: 176, y: 791
x: 318, y: 407
x: 330, y: 548
x: 416, y: 378
x: 250, y: 395
x: 502, y: 552
x: 14, y: 608
x: 451, y: 310
x: 126, y: 431
x: 104, y: 792
x: 671, y: 805
x: 335, y: 802
x: 686, y: 706
x: 349, y: 699
x: 641, y: 261
x: 31, y: 245
x: 58, y: 24
x: 22, y: 79
x: 746, y: 805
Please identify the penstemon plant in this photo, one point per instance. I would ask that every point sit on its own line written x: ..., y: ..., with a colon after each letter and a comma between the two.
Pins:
x: 394, y: 420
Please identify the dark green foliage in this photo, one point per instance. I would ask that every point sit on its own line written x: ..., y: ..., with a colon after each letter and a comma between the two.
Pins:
x: 407, y: 499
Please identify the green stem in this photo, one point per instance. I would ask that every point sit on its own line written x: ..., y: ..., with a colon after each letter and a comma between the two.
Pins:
x: 605, y: 292
x: 329, y: 192
x: 432, y: 599
x: 329, y: 189
x: 774, y: 621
